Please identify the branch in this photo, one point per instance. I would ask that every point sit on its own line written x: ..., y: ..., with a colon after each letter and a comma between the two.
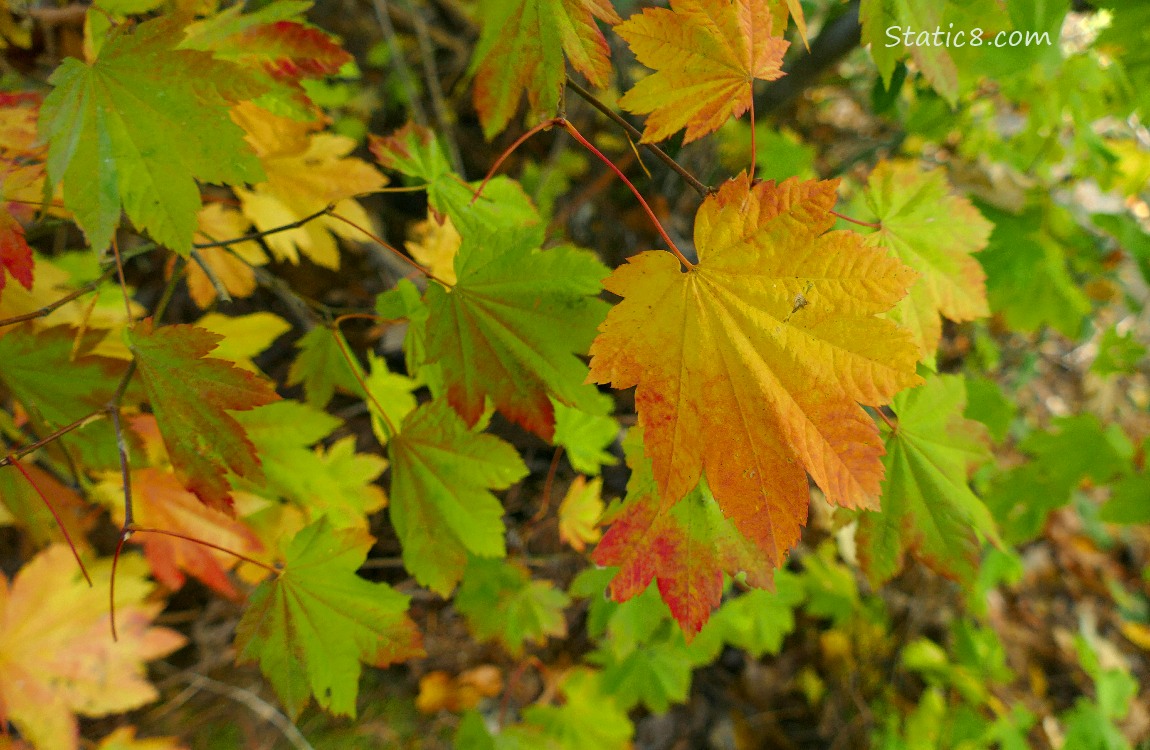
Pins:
x: 259, y: 235
x: 52, y: 307
x: 660, y: 154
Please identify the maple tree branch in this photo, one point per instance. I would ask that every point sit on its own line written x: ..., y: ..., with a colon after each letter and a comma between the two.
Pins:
x: 651, y: 214
x: 388, y: 246
x: 398, y: 63
x: 222, y: 292
x: 54, y: 306
x: 266, y: 232
x: 431, y: 80
x: 51, y: 509
x: 253, y: 702
x: 637, y: 137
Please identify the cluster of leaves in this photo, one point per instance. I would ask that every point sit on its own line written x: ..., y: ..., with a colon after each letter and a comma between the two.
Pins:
x: 787, y: 347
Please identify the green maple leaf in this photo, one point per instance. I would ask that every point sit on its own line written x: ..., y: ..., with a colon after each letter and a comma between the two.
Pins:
x: 512, y: 325
x: 686, y: 547
x: 587, y: 435
x: 322, y: 367
x: 928, y: 507
x: 414, y: 151
x: 311, y: 626
x: 589, y: 717
x: 934, y: 233
x: 59, y: 384
x: 936, y: 64
x: 656, y: 675
x: 440, y: 504
x: 521, y: 48
x: 191, y: 394
x: 137, y: 128
x: 501, y: 602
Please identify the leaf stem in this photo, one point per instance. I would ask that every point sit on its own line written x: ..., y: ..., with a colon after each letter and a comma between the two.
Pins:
x: 893, y: 427
x: 545, y: 125
x: 239, y: 556
x: 355, y: 369
x: 618, y: 173
x: 388, y: 246
x: 63, y: 530
x: 637, y: 136
x: 872, y: 225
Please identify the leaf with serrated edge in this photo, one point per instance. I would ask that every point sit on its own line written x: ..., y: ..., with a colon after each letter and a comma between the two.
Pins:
x: 502, y: 603
x: 311, y: 626
x: 707, y: 55
x: 928, y: 507
x: 933, y: 232
x: 522, y: 47
x: 511, y: 327
x: 190, y: 394
x: 441, y: 507
x: 56, y: 657
x: 138, y: 127
x: 686, y: 548
x: 767, y: 346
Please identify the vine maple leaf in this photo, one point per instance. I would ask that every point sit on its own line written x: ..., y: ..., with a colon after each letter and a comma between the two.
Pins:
x: 311, y: 626
x: 686, y: 547
x: 21, y: 179
x: 441, y: 507
x: 934, y: 233
x: 522, y: 47
x: 138, y: 126
x: 767, y: 347
x: 511, y: 326
x: 161, y: 502
x: 306, y: 172
x: 928, y: 507
x: 707, y: 55
x: 272, y: 41
x: 56, y: 659
x: 190, y: 395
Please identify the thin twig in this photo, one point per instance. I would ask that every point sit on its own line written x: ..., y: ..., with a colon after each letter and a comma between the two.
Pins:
x: 660, y: 154
x: 434, y: 90
x: 221, y: 291
x: 398, y: 63
x: 264, y: 233
x: 258, y: 706
x: 54, y: 306
x: 81, y: 422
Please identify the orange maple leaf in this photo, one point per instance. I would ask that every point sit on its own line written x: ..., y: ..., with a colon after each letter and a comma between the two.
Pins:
x: 57, y: 658
x: 766, y: 347
x: 161, y: 502
x: 707, y: 55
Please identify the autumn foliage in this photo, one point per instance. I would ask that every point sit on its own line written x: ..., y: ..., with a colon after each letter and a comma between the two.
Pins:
x: 217, y: 349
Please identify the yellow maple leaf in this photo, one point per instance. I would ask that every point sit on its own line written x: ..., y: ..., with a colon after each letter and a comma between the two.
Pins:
x: 767, y: 347
x: 57, y: 656
x: 218, y: 223
x: 124, y: 738
x: 707, y: 55
x: 434, y: 243
x: 307, y: 171
x: 580, y: 511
